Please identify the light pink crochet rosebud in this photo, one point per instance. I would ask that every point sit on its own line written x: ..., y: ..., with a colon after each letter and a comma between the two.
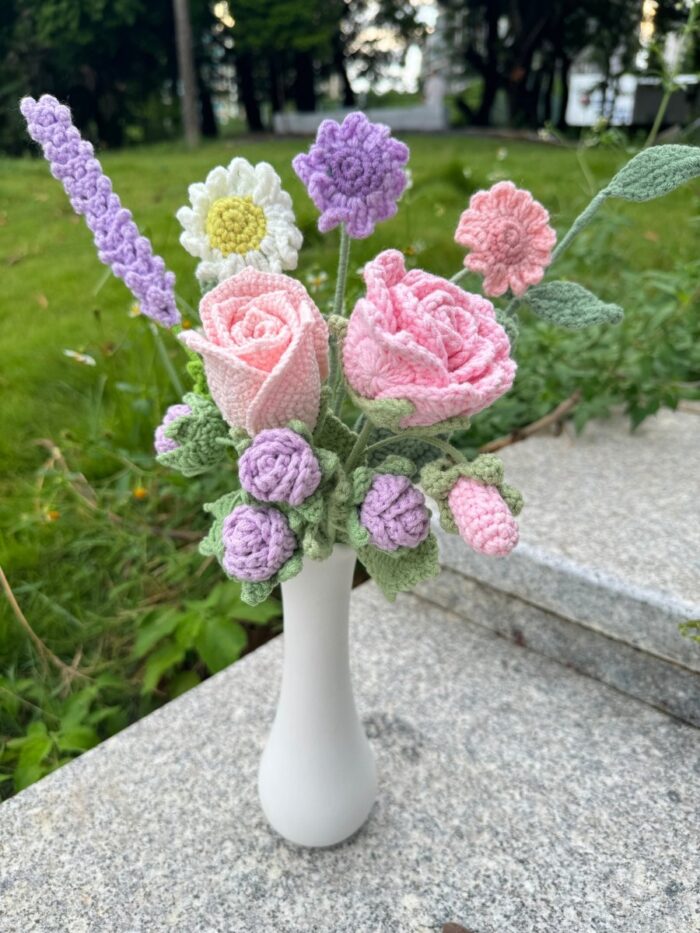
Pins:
x: 482, y: 517
x: 265, y: 350
x: 418, y: 337
x: 509, y: 236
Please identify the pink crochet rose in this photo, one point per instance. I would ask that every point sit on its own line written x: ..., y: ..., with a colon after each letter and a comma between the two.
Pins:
x: 482, y: 517
x: 265, y: 350
x: 509, y: 236
x: 421, y: 338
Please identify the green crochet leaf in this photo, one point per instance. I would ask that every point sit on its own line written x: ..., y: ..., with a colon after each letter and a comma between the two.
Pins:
x: 195, y: 370
x: 401, y: 570
x: 394, y: 463
x: 256, y: 593
x: 654, y: 172
x: 384, y: 412
x: 509, y: 324
x: 571, y: 305
x: 418, y: 451
x: 333, y: 434
x: 213, y: 545
x: 199, y: 437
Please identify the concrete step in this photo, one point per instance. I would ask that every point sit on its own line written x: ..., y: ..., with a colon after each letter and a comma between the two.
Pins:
x: 608, y: 565
x: 516, y: 796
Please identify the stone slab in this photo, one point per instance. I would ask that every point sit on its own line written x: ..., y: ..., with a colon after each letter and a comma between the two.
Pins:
x: 665, y: 684
x: 610, y: 535
x: 516, y: 796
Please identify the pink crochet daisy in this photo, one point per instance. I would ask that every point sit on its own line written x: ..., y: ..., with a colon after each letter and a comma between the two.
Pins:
x: 509, y: 236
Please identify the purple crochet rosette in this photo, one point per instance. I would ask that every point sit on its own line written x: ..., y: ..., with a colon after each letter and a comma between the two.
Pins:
x: 257, y: 543
x: 162, y: 443
x: 394, y: 513
x: 119, y: 244
x: 354, y: 174
x: 279, y: 466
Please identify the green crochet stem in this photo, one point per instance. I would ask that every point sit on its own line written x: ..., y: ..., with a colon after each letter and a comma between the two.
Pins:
x: 359, y: 447
x: 336, y: 374
x: 458, y: 276
x: 451, y: 451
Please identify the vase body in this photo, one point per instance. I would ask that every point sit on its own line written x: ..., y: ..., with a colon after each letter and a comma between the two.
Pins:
x: 317, y: 779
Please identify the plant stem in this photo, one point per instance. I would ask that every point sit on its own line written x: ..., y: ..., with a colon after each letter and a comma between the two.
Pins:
x: 583, y: 219
x: 167, y: 362
x: 458, y: 276
x: 359, y: 446
x: 447, y: 448
x: 343, y: 260
x: 686, y: 32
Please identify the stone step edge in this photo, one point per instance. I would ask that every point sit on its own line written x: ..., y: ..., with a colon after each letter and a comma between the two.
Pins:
x: 644, y: 617
x: 656, y: 681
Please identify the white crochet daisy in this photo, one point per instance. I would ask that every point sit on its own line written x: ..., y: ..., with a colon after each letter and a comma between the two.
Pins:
x: 240, y: 216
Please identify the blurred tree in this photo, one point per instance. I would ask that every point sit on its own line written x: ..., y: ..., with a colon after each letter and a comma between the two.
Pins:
x: 525, y: 48
x: 111, y: 60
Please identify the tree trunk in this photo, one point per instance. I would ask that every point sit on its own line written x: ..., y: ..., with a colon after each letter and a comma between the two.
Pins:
x: 246, y: 91
x: 482, y: 117
x: 276, y: 98
x: 209, y: 127
x: 185, y: 64
x: 304, y: 82
x: 564, y: 66
x: 349, y: 99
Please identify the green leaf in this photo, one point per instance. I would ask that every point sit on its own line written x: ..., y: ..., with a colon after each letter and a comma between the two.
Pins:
x: 220, y: 643
x: 34, y: 748
x: 400, y: 570
x: 570, y: 305
x: 654, y: 172
x: 183, y: 682
x: 77, y: 739
x: 155, y: 626
x: 167, y: 656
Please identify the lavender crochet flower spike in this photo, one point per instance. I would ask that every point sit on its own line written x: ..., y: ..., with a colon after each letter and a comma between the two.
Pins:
x: 119, y: 244
x: 354, y: 174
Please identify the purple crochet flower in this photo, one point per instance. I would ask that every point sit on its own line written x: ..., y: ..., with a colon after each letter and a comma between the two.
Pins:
x: 119, y: 244
x: 161, y: 441
x: 394, y: 513
x: 354, y: 174
x: 279, y: 466
x: 257, y: 542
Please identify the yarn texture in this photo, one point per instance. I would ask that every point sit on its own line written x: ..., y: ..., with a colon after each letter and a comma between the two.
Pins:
x: 509, y: 237
x: 354, y: 173
x: 279, y: 466
x: 570, y: 305
x: 257, y: 542
x: 654, y: 172
x: 119, y: 244
x: 418, y: 338
x: 483, y: 519
x: 190, y: 437
x: 394, y: 513
x: 162, y: 443
x: 265, y: 349
x: 240, y: 216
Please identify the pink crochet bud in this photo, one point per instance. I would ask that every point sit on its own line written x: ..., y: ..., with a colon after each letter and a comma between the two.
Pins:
x: 482, y: 517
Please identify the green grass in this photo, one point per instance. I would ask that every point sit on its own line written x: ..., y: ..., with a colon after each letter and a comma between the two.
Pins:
x: 99, y: 544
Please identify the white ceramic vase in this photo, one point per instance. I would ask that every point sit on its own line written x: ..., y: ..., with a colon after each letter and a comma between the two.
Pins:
x: 317, y: 779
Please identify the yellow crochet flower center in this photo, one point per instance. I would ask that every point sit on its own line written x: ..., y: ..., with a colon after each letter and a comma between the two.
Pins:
x: 235, y: 225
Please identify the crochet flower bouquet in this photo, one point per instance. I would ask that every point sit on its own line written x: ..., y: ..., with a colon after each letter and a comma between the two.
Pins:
x: 274, y: 379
